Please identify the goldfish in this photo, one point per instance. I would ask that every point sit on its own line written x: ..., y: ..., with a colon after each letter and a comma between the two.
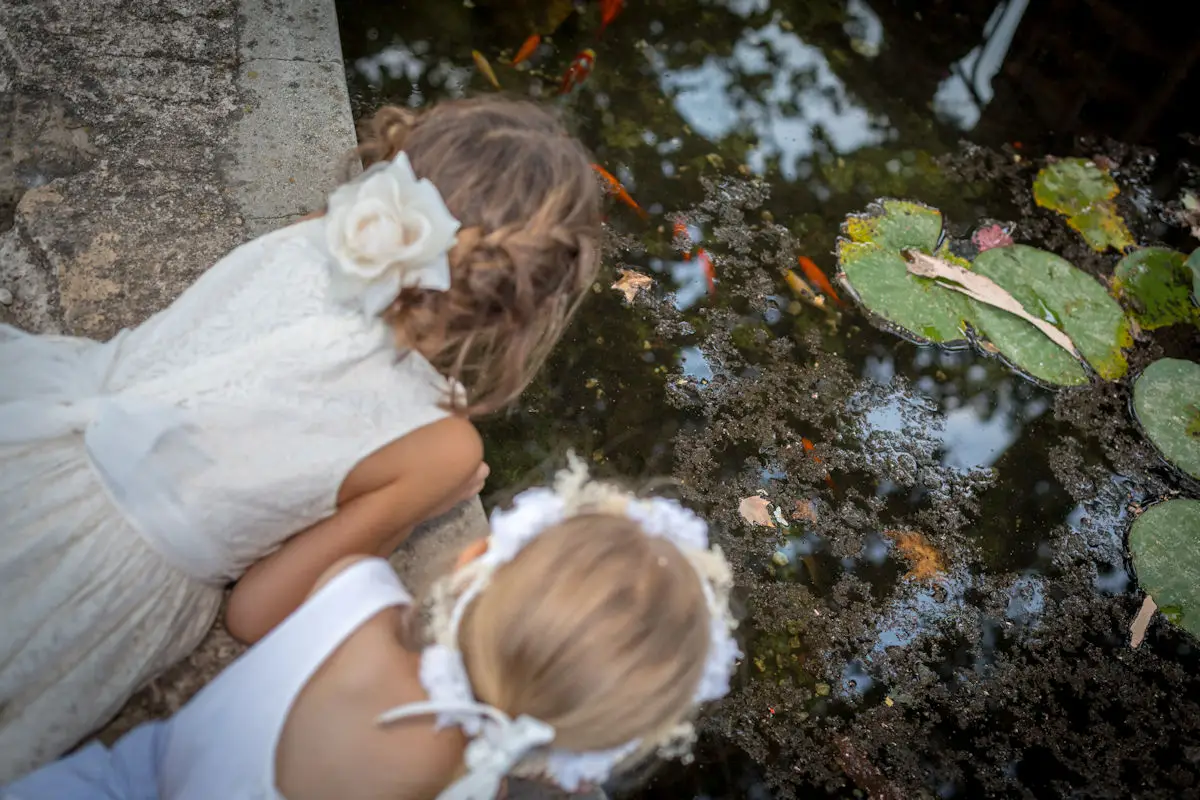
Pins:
x: 710, y: 274
x: 527, y: 49
x: 808, y: 448
x: 485, y: 68
x: 577, y: 73
x: 814, y: 274
x: 608, y: 12
x: 615, y: 187
x: 681, y: 232
x: 803, y: 290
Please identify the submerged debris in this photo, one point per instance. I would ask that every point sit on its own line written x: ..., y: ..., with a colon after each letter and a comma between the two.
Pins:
x: 631, y: 283
x: 925, y: 562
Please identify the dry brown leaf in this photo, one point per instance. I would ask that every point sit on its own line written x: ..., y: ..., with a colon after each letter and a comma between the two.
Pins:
x: 631, y: 282
x: 806, y: 510
x: 924, y: 560
x: 985, y: 290
x: 1137, y: 631
x: 755, y: 509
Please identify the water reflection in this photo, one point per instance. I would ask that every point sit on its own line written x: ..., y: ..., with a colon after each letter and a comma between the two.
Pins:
x: 962, y: 96
x: 802, y: 105
x: 818, y: 109
x: 973, y: 420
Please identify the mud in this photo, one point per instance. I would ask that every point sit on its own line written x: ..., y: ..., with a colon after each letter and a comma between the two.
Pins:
x: 1021, y: 683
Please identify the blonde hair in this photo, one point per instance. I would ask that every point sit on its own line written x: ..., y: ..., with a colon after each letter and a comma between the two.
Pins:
x: 527, y: 251
x: 594, y: 628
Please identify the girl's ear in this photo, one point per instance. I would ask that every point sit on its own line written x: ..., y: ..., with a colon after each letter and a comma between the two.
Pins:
x: 471, y: 552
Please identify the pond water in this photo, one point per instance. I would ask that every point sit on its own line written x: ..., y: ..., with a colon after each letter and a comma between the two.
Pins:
x: 761, y: 124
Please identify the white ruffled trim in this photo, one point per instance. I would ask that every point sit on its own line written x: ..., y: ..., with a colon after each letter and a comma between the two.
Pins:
x: 444, y: 675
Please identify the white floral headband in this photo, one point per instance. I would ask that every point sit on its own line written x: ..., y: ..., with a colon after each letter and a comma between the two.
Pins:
x: 500, y: 744
x: 386, y: 231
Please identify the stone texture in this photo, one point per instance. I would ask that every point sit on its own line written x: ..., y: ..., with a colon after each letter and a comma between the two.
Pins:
x: 141, y: 140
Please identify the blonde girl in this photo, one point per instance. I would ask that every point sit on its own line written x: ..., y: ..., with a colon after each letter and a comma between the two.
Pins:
x: 576, y: 641
x: 308, y: 399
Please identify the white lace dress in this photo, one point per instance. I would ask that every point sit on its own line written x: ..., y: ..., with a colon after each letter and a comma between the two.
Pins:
x: 139, y: 476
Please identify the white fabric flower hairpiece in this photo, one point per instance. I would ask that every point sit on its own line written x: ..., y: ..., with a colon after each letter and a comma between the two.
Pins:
x: 499, y: 744
x: 386, y: 231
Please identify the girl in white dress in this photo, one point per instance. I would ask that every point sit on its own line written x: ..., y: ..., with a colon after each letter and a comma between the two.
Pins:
x: 577, y: 640
x: 306, y: 400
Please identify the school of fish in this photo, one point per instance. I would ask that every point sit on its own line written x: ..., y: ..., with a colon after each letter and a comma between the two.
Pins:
x: 813, y: 288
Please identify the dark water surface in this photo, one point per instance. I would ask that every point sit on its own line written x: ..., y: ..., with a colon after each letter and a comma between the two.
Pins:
x: 763, y: 124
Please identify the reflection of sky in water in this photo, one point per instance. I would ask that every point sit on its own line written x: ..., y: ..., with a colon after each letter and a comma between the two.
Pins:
x: 974, y: 431
x: 695, y: 365
x: 1102, y: 522
x: 803, y: 96
x: 864, y: 28
x: 404, y: 61
x: 962, y: 96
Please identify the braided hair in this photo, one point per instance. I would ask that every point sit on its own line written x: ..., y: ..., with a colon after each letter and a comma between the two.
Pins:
x: 528, y: 249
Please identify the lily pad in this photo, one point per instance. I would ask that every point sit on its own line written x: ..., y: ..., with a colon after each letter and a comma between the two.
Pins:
x: 874, y: 270
x: 1071, y: 300
x: 1166, y: 400
x: 1156, y: 285
x: 1165, y: 543
x: 1080, y: 190
x: 897, y: 225
x: 881, y: 282
x: 1193, y: 263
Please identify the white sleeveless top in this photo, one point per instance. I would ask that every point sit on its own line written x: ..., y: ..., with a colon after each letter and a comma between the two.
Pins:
x: 222, y: 743
x: 227, y: 422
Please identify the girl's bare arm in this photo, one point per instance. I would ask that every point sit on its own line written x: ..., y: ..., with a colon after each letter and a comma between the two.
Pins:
x: 381, y: 500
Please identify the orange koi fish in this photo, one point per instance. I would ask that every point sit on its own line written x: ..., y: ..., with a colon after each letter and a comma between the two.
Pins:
x: 808, y: 448
x: 615, y: 188
x: 608, y: 12
x: 803, y: 290
x: 681, y: 232
x: 710, y: 274
x: 527, y: 49
x: 814, y: 274
x: 577, y: 73
x: 485, y: 68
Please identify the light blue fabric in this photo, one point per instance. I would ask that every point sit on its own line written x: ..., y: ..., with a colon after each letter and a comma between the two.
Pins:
x: 126, y: 772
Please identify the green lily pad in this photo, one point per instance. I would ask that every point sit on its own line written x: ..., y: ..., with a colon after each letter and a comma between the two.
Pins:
x: 1165, y: 543
x: 881, y: 282
x: 1193, y: 263
x: 1156, y: 285
x: 1027, y: 348
x: 1071, y: 300
x: 874, y: 269
x: 1166, y: 400
x: 1080, y: 190
x: 896, y: 225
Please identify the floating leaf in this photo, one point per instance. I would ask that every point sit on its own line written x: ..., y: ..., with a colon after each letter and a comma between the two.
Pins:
x: 756, y: 510
x: 924, y: 561
x: 1165, y: 543
x: 984, y: 290
x: 1137, y: 629
x: 880, y: 280
x: 1080, y: 190
x: 896, y: 225
x: 806, y: 511
x: 1190, y: 214
x: 874, y: 270
x: 1156, y: 284
x: 1069, y: 299
x: 1044, y: 286
x: 631, y: 282
x: 1166, y: 400
x: 1193, y: 263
